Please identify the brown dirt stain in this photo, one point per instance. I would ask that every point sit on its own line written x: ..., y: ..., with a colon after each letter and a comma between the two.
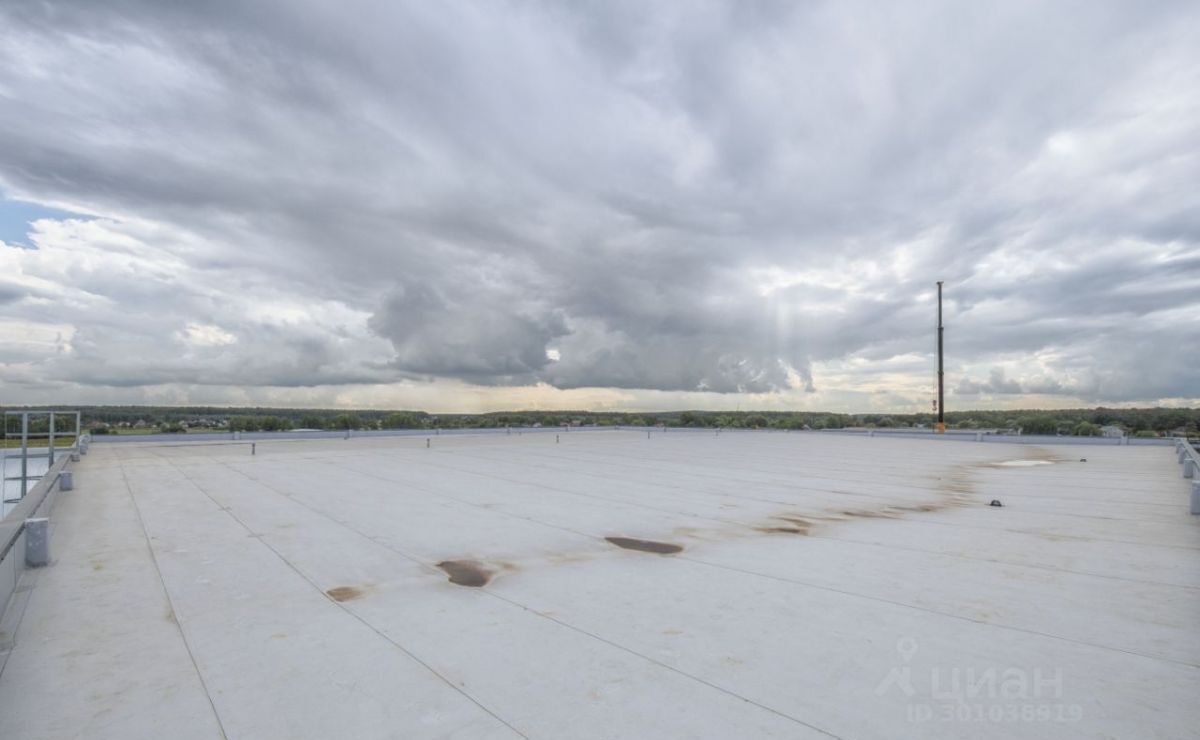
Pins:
x: 782, y: 530
x: 826, y: 517
x: 470, y: 573
x: 795, y: 520
x: 345, y: 593
x: 954, y: 486
x: 631, y: 543
x: 792, y: 525
x: 869, y: 514
x: 925, y: 508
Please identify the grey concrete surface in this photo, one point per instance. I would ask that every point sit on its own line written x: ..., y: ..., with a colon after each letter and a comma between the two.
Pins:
x: 803, y: 586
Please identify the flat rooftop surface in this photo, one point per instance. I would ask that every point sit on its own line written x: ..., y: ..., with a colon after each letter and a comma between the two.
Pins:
x: 613, y: 585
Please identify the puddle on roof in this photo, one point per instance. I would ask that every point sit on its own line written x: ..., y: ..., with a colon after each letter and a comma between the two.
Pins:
x: 470, y: 573
x: 1021, y: 463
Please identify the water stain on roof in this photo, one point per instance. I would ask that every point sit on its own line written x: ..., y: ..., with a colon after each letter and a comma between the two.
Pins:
x: 868, y: 514
x: 345, y: 593
x: 783, y: 530
x: 470, y: 573
x: 630, y: 543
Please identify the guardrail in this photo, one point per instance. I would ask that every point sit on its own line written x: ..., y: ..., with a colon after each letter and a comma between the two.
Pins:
x: 339, y: 434
x: 26, y: 434
x: 958, y: 435
x: 24, y: 528
x: 1189, y: 458
x: 24, y: 533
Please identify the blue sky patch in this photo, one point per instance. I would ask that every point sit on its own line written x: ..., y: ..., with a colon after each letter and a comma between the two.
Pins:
x: 15, y: 217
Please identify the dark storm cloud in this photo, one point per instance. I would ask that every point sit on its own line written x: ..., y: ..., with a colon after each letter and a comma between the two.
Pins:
x: 497, y: 335
x: 717, y: 196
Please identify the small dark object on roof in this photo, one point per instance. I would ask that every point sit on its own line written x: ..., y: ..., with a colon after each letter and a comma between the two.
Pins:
x: 995, y: 502
x: 1083, y: 459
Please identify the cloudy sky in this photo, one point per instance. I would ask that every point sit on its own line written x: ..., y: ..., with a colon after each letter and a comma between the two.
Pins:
x: 474, y: 206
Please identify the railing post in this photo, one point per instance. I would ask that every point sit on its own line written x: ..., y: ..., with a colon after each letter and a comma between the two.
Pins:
x: 24, y: 453
x: 37, y: 542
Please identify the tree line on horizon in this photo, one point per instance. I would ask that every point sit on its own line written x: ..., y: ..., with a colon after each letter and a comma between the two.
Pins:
x: 1137, y: 421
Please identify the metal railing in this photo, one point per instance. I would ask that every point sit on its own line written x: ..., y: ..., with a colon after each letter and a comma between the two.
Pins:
x: 38, y: 500
x: 1000, y: 436
x: 291, y: 434
x: 1189, y: 458
x: 53, y: 432
x: 40, y: 435
x: 23, y: 528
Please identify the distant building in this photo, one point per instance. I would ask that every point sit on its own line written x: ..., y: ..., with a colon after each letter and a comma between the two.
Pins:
x: 1112, y: 431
